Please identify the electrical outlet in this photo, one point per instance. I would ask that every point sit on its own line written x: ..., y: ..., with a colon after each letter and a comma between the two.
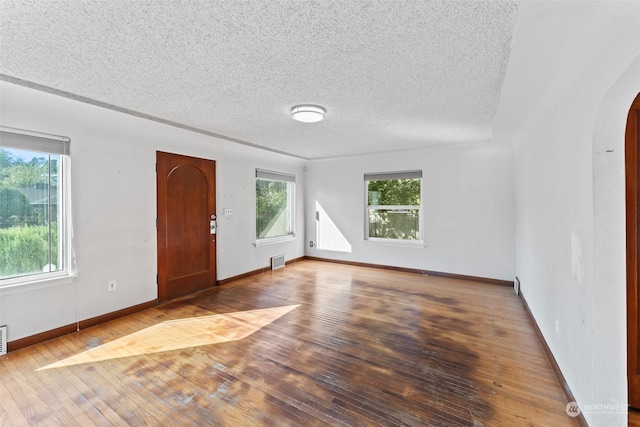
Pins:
x: 111, y: 285
x: 228, y: 212
x: 557, y: 324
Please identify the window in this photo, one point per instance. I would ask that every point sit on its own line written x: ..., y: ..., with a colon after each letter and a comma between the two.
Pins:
x: 32, y: 226
x: 275, y: 193
x: 394, y: 205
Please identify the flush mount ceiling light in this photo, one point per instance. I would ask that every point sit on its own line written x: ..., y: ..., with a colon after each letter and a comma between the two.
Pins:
x: 307, y: 113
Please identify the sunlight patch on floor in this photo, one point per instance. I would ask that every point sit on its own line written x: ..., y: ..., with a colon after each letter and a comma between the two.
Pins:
x: 181, y: 333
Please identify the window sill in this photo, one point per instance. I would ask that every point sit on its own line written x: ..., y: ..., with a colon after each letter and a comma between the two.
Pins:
x: 416, y: 244
x: 274, y: 240
x: 8, y: 286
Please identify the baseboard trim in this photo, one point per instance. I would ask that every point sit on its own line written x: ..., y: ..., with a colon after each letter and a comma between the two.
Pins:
x: 242, y: 276
x: 582, y: 422
x: 254, y: 272
x: 83, y: 324
x: 41, y: 337
x: 416, y: 271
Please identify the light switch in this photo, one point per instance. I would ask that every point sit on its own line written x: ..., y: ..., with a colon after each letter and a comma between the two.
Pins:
x: 228, y: 212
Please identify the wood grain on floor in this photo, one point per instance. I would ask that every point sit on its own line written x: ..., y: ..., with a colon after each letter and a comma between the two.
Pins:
x: 314, y: 344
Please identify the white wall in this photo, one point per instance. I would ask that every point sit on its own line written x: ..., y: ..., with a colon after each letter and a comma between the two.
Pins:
x: 114, y: 207
x: 573, y: 72
x: 559, y: 111
x: 468, y: 209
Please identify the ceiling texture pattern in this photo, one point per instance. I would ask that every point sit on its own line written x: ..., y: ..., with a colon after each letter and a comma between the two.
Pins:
x: 392, y: 75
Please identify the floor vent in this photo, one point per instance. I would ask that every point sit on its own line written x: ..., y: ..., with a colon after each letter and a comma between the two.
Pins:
x: 3, y: 340
x: 277, y: 262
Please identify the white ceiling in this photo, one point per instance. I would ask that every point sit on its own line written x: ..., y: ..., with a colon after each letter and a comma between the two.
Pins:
x: 393, y: 75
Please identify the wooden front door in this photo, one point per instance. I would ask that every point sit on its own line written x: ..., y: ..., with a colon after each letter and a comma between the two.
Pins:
x: 632, y: 145
x: 186, y: 189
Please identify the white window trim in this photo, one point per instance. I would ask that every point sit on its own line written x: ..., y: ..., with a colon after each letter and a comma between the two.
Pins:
x: 21, y: 139
x: 275, y: 240
x: 36, y: 281
x: 377, y: 241
x: 395, y: 207
x: 283, y: 177
x: 419, y: 243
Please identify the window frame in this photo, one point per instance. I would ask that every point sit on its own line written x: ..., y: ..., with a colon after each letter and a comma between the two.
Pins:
x: 383, y: 176
x: 290, y: 179
x: 46, y: 144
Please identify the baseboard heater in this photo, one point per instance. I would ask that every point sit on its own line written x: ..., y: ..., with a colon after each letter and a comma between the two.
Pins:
x: 277, y: 262
x: 3, y: 340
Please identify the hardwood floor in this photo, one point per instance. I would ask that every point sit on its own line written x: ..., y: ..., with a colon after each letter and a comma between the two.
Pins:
x: 314, y: 344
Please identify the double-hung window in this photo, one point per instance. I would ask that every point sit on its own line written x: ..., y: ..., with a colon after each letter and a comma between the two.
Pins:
x: 33, y: 242
x: 394, y: 206
x: 275, y: 202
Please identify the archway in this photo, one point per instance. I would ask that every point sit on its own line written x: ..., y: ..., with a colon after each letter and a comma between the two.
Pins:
x: 632, y: 185
x: 609, y: 243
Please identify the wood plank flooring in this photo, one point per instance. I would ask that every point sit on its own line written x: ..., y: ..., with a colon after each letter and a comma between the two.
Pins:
x: 315, y: 344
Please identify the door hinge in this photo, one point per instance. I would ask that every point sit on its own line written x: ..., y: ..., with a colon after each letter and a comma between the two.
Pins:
x: 157, y: 281
x: 156, y: 222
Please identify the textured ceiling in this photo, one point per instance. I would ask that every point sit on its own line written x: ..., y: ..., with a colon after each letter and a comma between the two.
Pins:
x: 393, y: 75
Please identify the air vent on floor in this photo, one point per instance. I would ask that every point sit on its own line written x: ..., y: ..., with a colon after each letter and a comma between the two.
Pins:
x: 277, y: 262
x: 3, y: 340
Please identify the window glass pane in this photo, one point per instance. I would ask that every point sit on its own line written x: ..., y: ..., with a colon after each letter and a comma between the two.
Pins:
x: 30, y: 214
x: 274, y: 208
x: 393, y: 207
x: 394, y: 223
x: 398, y: 192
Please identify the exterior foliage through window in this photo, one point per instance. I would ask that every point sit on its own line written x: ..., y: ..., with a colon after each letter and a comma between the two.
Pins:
x: 32, y: 237
x: 275, y: 193
x: 394, y: 204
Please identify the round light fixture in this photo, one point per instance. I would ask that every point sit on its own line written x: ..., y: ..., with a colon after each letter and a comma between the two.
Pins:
x: 307, y: 113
